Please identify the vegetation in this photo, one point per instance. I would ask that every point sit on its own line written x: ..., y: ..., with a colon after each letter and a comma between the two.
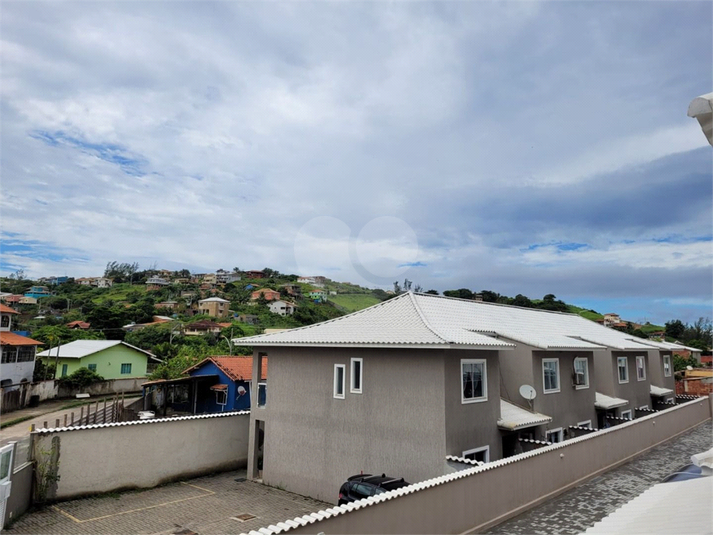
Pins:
x: 81, y: 378
x: 16, y: 421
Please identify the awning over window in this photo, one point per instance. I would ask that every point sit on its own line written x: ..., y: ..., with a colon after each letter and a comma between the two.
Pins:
x: 660, y: 392
x: 513, y: 417
x: 220, y: 387
x: 604, y: 402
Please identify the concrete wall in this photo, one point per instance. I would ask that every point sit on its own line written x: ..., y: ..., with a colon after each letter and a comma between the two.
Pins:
x: 20, y: 494
x: 478, y: 498
x: 313, y: 441
x: 103, y: 458
x: 113, y: 386
x: 471, y: 425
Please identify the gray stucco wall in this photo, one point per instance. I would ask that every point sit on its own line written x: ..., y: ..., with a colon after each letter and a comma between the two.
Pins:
x: 638, y: 393
x: 472, y: 425
x: 657, y: 372
x: 570, y: 405
x: 313, y: 441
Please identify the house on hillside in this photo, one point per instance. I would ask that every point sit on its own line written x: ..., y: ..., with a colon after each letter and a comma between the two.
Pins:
x: 82, y: 325
x: 250, y: 319
x: 112, y: 359
x: 267, y: 293
x: 202, y: 327
x: 295, y: 290
x: 474, y: 366
x: 169, y: 304
x: 319, y: 296
x: 253, y: 274
x: 214, y: 306
x: 224, y: 277
x: 155, y: 283
x: 283, y: 308
x: 611, y: 318
x: 17, y: 364
x: 37, y: 292
x: 103, y: 282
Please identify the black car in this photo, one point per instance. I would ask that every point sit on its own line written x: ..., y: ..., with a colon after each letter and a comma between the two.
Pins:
x: 364, y: 485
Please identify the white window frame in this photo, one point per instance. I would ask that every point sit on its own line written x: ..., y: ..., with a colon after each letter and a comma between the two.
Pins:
x: 559, y: 376
x: 626, y: 367
x: 585, y: 423
x: 486, y: 449
x: 352, y: 375
x: 336, y: 379
x: 670, y: 400
x: 667, y: 360
x: 641, y: 359
x: 557, y: 430
x: 484, y: 378
x: 631, y: 417
x: 586, y: 372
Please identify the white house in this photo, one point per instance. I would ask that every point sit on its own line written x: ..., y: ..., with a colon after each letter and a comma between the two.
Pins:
x: 283, y: 308
x: 18, y: 352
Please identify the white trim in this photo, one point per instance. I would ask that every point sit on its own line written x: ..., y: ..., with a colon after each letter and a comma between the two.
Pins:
x: 586, y: 372
x: 344, y: 381
x: 559, y: 379
x: 486, y: 449
x: 484, y: 379
x: 352, y: 389
x: 626, y: 367
x: 557, y: 430
x: 665, y: 359
x: 669, y: 400
x: 644, y: 407
x: 642, y: 359
x: 622, y: 414
x: 585, y: 423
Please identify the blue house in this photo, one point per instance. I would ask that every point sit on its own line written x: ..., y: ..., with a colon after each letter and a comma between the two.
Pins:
x: 38, y: 291
x: 231, y: 392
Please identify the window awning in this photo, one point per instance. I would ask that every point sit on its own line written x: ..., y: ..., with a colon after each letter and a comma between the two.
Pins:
x: 605, y: 402
x: 660, y: 392
x: 220, y: 387
x: 513, y: 417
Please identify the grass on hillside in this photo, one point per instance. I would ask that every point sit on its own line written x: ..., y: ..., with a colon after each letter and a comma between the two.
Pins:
x: 118, y: 292
x: 354, y: 302
x: 585, y: 313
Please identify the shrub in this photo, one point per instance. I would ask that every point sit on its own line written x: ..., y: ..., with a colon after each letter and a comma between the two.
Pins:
x: 82, y: 378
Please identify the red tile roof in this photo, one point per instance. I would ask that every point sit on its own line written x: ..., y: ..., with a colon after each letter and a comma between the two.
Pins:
x: 80, y: 324
x: 7, y: 310
x: 12, y: 339
x: 236, y: 368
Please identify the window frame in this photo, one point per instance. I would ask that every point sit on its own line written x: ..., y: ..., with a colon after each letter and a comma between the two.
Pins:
x: 642, y: 359
x: 559, y: 376
x: 342, y: 367
x: 92, y: 367
x: 629, y: 411
x: 667, y: 364
x: 484, y: 379
x: 626, y: 368
x: 486, y: 449
x: 122, y: 372
x: 587, y: 422
x: 352, y: 375
x: 559, y: 431
x: 670, y: 400
x: 586, y: 372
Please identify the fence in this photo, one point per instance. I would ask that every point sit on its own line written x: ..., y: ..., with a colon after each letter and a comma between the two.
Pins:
x: 100, y: 458
x: 19, y: 396
x: 477, y: 498
x: 100, y: 412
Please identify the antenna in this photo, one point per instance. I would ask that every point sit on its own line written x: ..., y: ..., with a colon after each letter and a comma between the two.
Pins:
x: 529, y: 393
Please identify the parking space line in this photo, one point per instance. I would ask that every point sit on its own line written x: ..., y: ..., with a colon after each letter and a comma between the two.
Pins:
x: 78, y: 521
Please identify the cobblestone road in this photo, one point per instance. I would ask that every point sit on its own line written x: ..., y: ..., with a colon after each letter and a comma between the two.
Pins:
x: 205, y: 505
x: 578, y: 509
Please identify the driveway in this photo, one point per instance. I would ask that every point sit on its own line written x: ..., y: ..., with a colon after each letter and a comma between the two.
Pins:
x: 224, y: 503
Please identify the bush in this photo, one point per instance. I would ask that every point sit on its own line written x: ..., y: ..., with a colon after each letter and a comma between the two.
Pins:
x: 82, y: 378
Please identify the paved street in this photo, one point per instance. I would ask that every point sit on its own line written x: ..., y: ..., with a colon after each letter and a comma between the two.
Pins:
x: 578, y: 509
x: 205, y: 505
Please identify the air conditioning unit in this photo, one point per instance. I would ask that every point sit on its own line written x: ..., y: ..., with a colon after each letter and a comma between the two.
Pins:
x: 579, y: 379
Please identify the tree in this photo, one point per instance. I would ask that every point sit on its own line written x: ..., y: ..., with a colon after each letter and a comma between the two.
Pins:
x: 463, y: 293
x: 432, y: 292
x: 522, y: 301
x: 675, y: 329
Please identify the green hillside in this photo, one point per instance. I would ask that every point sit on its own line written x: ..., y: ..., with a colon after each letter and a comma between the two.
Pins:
x: 354, y: 302
x: 585, y: 313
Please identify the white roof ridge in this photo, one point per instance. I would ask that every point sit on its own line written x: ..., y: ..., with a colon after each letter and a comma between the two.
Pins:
x: 490, y: 303
x: 423, y: 318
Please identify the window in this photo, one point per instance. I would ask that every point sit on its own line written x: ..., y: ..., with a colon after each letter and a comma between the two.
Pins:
x: 667, y: 365
x: 25, y: 354
x: 586, y: 423
x: 9, y: 354
x: 339, y: 381
x: 261, y: 394
x: 473, y: 381
x: 581, y: 373
x: 626, y: 414
x: 478, y: 454
x: 92, y: 367
x: 126, y: 368
x: 5, y: 321
x: 623, y: 366
x: 669, y: 400
x: 64, y: 370
x: 640, y: 369
x: 356, y: 375
x: 555, y: 435
x: 551, y: 375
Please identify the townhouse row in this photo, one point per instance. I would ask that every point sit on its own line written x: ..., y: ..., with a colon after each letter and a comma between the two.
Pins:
x: 408, y: 384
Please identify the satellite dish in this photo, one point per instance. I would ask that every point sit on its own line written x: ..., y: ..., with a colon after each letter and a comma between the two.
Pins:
x: 528, y: 392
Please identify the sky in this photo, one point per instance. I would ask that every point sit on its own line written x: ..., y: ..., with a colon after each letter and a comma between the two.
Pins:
x: 518, y: 147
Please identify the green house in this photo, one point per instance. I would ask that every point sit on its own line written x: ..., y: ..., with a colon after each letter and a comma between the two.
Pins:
x: 112, y: 359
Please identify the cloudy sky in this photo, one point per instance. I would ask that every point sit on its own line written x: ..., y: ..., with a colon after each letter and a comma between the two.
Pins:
x: 519, y: 147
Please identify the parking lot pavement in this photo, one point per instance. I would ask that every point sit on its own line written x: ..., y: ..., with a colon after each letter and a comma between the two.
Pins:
x: 579, y: 508
x: 205, y: 506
